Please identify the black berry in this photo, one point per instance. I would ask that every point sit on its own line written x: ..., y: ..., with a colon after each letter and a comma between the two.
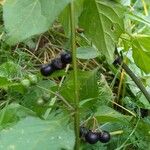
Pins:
x: 117, y: 61
x: 57, y: 64
x: 66, y: 57
x: 47, y: 70
x: 91, y: 137
x: 83, y: 131
x: 104, y: 137
x: 144, y: 112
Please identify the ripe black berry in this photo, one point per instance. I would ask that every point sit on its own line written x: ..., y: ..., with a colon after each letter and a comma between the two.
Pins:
x: 92, y: 137
x: 144, y: 112
x: 104, y: 136
x: 47, y: 70
x: 117, y: 61
x: 83, y: 131
x: 57, y: 64
x: 66, y: 57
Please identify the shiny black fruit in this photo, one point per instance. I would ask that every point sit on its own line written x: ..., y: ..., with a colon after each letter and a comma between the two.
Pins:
x: 57, y: 64
x: 66, y: 57
x: 144, y: 112
x: 92, y: 137
x: 47, y: 70
x: 104, y: 137
x: 117, y: 61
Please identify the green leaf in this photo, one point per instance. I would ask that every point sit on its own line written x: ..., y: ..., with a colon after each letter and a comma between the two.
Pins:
x: 141, y: 52
x: 10, y: 70
x: 34, y: 17
x: 143, y: 102
x: 139, y: 17
x: 126, y: 2
x: 105, y: 92
x: 13, y: 113
x: 87, y: 85
x: 87, y: 53
x: 4, y: 82
x: 30, y: 99
x: 102, y: 21
x: 107, y: 114
x: 65, y: 16
x: 16, y: 87
x: 34, y: 133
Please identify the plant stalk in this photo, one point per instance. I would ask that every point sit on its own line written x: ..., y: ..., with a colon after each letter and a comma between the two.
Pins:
x: 135, y: 79
x: 76, y: 99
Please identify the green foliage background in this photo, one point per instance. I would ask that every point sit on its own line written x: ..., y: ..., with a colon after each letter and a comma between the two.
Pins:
x: 33, y: 32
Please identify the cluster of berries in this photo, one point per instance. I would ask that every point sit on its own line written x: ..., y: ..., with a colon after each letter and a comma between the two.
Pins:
x: 93, y: 137
x: 56, y: 64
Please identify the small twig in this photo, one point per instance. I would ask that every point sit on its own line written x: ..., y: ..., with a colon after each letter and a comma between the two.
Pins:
x: 116, y: 132
x: 53, y: 100
x: 130, y: 112
x: 120, y: 85
x: 33, y: 55
x: 145, y: 8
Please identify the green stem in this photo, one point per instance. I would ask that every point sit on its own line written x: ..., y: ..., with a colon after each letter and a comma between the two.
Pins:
x: 135, y: 79
x: 76, y: 100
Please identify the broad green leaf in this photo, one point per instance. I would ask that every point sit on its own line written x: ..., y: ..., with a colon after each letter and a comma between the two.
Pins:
x: 103, y: 95
x: 65, y: 21
x: 87, y: 85
x: 102, y: 21
x: 65, y: 16
x: 34, y: 133
x: 105, y: 92
x: 141, y: 53
x: 88, y: 106
x: 83, y: 102
x: 17, y: 87
x: 87, y: 53
x: 24, y: 19
x: 13, y: 113
x: 107, y: 114
x: 97, y: 146
x: 124, y: 2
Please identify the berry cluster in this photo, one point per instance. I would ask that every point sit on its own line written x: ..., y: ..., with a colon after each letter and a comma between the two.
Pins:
x: 93, y: 137
x: 56, y: 64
